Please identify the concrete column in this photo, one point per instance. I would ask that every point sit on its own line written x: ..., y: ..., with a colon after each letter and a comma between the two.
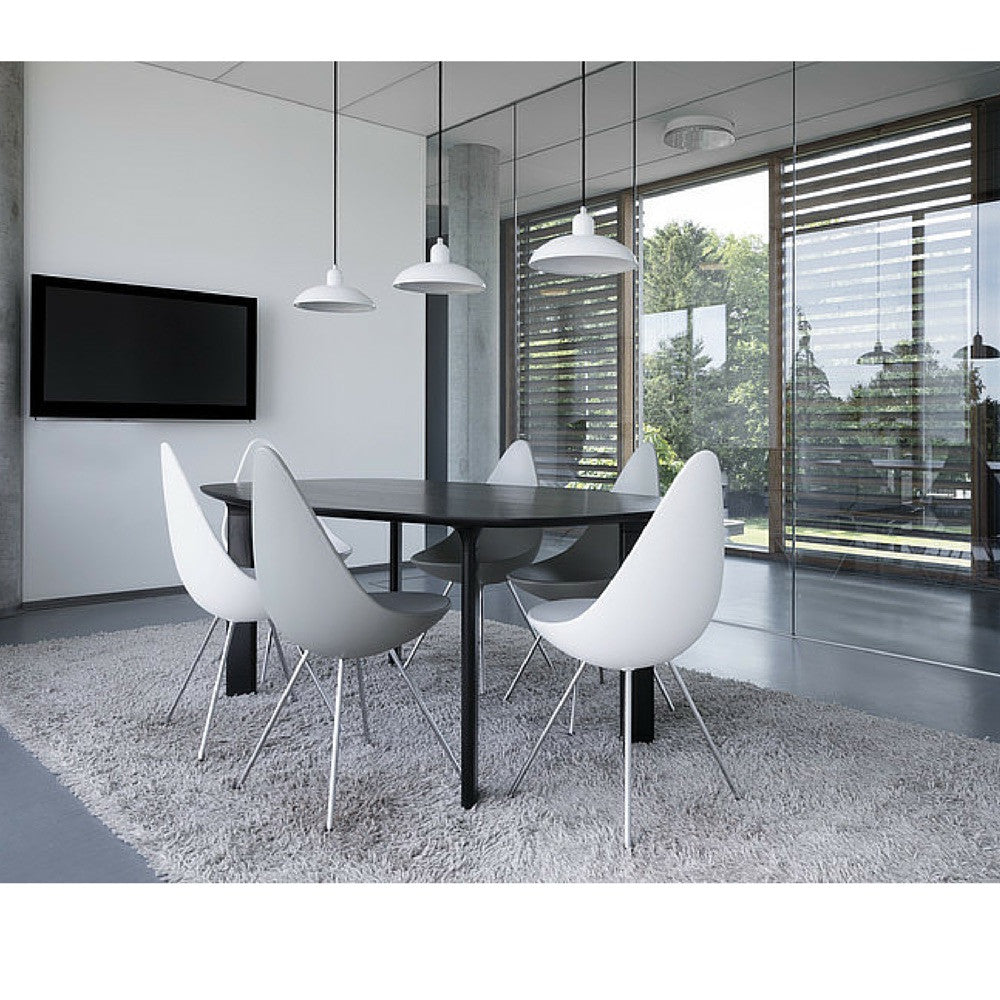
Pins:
x: 11, y: 283
x: 474, y: 320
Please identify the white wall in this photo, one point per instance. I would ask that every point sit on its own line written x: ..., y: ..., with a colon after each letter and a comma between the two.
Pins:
x: 136, y: 174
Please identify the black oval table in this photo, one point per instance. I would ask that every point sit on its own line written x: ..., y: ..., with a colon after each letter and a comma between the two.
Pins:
x: 468, y: 508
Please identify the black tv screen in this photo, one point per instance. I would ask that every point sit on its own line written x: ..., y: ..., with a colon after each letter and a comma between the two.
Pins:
x: 103, y: 349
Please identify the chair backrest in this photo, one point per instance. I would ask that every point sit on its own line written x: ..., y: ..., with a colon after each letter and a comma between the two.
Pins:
x: 209, y: 575
x: 667, y: 589
x: 242, y: 472
x: 641, y: 474
x: 515, y: 468
x: 308, y: 592
x: 595, y: 552
x: 244, y: 468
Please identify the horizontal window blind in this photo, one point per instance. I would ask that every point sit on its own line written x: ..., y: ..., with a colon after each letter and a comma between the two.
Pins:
x: 883, y: 277
x: 567, y: 358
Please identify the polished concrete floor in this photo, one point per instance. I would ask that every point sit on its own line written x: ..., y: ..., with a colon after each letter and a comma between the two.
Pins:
x: 46, y: 835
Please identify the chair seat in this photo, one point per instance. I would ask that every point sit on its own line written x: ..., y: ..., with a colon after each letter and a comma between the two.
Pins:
x: 413, y: 602
x: 444, y: 559
x: 546, y: 581
x: 557, y: 612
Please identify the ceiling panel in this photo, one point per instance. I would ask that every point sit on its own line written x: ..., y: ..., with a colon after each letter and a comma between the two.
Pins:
x: 309, y: 83
x: 204, y: 70
x: 832, y: 98
x: 409, y: 104
x: 361, y: 79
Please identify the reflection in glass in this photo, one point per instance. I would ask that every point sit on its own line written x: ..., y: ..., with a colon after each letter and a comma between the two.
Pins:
x: 704, y: 337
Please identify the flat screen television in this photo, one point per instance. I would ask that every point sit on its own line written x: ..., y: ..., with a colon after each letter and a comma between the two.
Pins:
x: 104, y: 349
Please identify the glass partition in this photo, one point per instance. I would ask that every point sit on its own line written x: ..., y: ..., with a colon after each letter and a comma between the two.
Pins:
x: 817, y: 302
x: 892, y: 419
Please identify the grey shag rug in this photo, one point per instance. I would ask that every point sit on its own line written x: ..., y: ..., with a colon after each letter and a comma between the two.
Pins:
x: 831, y: 794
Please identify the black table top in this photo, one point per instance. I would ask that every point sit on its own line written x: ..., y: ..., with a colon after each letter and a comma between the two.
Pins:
x: 419, y: 501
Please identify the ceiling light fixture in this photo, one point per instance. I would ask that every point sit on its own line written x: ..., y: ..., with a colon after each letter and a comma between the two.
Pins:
x: 583, y: 253
x: 439, y: 276
x: 334, y: 296
x: 691, y: 133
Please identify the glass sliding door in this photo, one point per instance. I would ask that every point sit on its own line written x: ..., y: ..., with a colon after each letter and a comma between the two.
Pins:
x: 707, y: 343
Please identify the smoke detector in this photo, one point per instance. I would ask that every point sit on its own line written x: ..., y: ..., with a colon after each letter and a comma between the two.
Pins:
x: 694, y: 132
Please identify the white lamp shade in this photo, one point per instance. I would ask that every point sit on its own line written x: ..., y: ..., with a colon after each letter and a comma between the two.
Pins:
x: 439, y: 276
x: 334, y: 296
x: 583, y: 253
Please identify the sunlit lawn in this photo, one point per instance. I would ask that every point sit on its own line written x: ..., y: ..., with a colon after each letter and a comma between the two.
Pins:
x: 951, y: 549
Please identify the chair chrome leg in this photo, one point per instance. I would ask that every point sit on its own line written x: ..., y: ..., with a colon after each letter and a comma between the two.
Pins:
x: 190, y: 673
x: 336, y: 744
x: 319, y: 687
x: 524, y: 614
x: 520, y: 669
x: 281, y: 655
x: 426, y: 714
x: 277, y: 648
x: 628, y: 760
x: 420, y: 638
x: 364, y: 703
x: 270, y: 722
x: 479, y: 644
x: 572, y: 712
x: 545, y: 731
x: 711, y: 742
x: 663, y: 690
x: 215, y: 691
x: 267, y: 653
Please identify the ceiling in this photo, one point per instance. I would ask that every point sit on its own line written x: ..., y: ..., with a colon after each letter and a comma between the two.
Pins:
x: 479, y: 98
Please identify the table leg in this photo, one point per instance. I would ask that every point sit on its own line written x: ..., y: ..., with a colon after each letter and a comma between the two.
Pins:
x: 241, y: 663
x: 643, y: 730
x: 395, y: 554
x: 470, y: 667
x: 396, y: 563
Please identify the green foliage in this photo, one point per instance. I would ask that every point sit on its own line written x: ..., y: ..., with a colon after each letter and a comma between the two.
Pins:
x: 667, y: 461
x: 687, y: 401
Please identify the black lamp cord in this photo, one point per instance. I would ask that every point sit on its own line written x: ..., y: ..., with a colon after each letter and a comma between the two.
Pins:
x: 583, y: 134
x: 635, y: 189
x: 440, y: 147
x: 336, y: 160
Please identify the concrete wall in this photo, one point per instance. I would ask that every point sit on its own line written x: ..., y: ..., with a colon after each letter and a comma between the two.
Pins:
x: 11, y: 268
x: 474, y: 320
x: 136, y: 174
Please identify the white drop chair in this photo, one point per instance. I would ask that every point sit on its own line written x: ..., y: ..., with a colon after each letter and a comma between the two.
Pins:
x: 226, y: 591
x: 243, y: 471
x: 500, y: 550
x: 586, y: 567
x: 315, y: 602
x: 343, y: 548
x: 657, y: 605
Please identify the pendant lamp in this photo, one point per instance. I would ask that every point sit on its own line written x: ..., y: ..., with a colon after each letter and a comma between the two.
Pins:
x: 439, y: 276
x: 583, y: 253
x: 878, y: 355
x: 978, y: 350
x: 334, y: 296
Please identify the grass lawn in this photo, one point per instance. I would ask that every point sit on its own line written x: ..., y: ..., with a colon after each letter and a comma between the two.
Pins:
x: 951, y: 549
